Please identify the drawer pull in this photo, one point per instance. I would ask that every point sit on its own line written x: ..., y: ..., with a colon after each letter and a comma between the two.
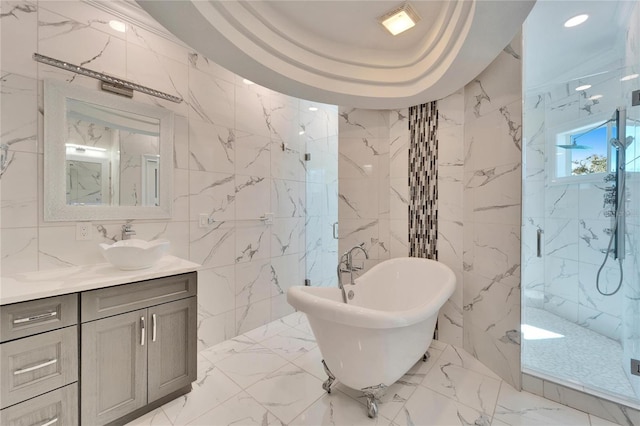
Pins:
x: 142, y: 329
x: 36, y: 317
x: 153, y: 329
x: 49, y: 422
x: 35, y: 367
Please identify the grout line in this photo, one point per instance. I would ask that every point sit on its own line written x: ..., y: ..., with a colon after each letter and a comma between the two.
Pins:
x: 493, y: 413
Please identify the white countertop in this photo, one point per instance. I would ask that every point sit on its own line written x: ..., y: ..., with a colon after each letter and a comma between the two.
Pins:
x: 54, y: 282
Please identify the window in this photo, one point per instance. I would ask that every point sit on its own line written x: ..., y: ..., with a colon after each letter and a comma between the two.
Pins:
x: 585, y: 150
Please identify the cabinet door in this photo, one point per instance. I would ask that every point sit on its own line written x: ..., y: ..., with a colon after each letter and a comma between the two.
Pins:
x: 113, y: 367
x: 172, y: 347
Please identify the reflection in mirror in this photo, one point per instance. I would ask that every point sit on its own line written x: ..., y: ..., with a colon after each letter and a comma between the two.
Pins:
x: 114, y: 154
x: 118, y: 141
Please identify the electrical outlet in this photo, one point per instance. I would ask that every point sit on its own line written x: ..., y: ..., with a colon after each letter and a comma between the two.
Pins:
x: 83, y: 231
x: 268, y: 218
x: 205, y: 221
x: 635, y: 367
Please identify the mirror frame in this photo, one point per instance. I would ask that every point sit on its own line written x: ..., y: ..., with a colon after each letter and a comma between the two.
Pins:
x: 56, y: 208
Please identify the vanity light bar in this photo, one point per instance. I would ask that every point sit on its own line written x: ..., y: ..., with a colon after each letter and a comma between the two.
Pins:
x: 104, y: 77
x: 85, y: 147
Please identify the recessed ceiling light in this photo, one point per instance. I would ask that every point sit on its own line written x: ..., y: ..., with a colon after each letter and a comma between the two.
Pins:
x: 595, y: 97
x: 399, y: 19
x: 118, y: 25
x: 247, y: 82
x: 301, y: 132
x: 583, y: 87
x: 576, y: 20
x: 629, y: 77
x: 313, y: 109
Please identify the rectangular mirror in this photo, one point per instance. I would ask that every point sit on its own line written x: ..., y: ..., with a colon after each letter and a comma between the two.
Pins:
x: 105, y: 157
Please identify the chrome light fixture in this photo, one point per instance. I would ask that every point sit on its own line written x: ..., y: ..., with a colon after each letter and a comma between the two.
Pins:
x: 113, y: 84
x: 399, y: 19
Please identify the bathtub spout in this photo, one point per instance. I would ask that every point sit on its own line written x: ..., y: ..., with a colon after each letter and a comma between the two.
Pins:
x: 350, y: 265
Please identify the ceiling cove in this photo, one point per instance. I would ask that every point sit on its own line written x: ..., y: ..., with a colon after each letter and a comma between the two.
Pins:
x: 336, y: 52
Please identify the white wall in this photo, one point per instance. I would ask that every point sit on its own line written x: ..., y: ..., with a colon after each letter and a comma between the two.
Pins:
x: 228, y: 162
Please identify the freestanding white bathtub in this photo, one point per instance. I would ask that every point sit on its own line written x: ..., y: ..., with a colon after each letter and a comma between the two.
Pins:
x: 377, y: 336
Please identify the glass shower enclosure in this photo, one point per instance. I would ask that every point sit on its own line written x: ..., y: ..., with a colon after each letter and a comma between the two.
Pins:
x: 581, y: 211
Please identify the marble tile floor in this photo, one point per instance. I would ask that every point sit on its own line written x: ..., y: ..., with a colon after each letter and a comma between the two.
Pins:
x: 272, y: 376
x: 581, y: 357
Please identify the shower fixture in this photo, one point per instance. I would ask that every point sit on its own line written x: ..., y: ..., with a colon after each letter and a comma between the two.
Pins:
x: 573, y: 145
x: 615, y: 196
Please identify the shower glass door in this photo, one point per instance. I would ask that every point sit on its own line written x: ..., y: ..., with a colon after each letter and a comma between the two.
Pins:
x: 320, y: 127
x: 580, y: 313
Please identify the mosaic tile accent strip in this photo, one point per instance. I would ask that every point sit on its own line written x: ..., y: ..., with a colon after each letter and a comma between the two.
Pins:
x: 423, y: 178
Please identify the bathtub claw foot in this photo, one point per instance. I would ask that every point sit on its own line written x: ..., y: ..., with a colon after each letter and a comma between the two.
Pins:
x: 426, y: 356
x: 373, y: 393
x: 327, y: 384
x: 372, y: 407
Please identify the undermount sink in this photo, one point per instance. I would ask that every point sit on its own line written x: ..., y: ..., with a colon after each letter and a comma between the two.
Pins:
x: 130, y: 255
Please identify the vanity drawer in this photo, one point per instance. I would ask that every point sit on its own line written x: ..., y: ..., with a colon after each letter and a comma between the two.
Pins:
x: 106, y: 302
x: 37, y: 316
x: 38, y: 364
x: 55, y: 408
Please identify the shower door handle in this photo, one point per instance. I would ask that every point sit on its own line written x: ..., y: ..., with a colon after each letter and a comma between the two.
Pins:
x: 539, y: 242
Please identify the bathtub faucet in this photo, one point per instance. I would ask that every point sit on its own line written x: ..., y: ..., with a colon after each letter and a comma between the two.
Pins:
x: 350, y: 264
x: 346, y: 265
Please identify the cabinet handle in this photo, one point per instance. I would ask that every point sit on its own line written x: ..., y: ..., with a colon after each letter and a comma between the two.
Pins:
x: 153, y: 330
x: 35, y: 367
x: 142, y: 328
x: 36, y: 317
x: 49, y: 422
x: 335, y: 230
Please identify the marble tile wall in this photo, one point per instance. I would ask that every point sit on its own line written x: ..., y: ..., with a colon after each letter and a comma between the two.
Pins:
x: 238, y: 153
x: 492, y: 214
x: 373, y: 196
x: 450, y: 210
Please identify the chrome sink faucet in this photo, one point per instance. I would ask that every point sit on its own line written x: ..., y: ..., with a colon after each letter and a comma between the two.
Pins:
x: 347, y: 260
x: 127, y: 231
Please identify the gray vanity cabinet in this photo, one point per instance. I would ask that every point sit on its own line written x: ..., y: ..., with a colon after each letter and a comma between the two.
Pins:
x: 39, y: 362
x: 113, y: 368
x: 133, y: 358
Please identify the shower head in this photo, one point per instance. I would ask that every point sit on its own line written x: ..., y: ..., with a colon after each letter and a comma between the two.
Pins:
x: 573, y: 145
x: 630, y: 140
